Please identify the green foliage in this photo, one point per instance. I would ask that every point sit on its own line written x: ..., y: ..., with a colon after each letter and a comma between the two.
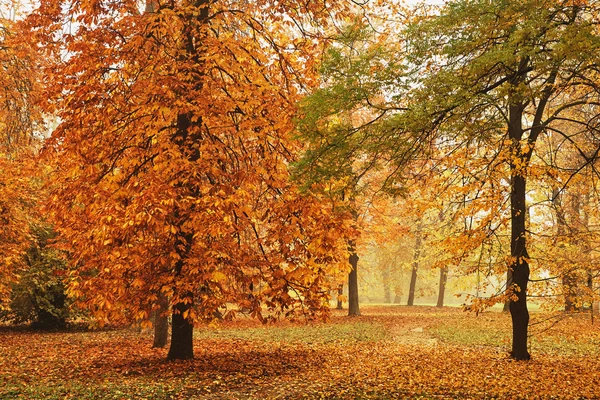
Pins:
x: 468, y: 58
x: 345, y: 123
x: 39, y: 296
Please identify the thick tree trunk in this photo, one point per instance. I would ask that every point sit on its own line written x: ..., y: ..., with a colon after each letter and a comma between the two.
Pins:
x: 353, y: 308
x: 161, y: 322
x: 442, y: 286
x: 415, y: 266
x: 182, y: 331
x: 188, y: 139
x: 182, y: 327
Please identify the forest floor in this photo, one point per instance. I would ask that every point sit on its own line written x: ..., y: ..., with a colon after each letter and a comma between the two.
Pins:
x: 389, y: 352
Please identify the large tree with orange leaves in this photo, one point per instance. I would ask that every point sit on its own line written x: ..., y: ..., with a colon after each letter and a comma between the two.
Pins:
x: 171, y: 158
x: 20, y: 120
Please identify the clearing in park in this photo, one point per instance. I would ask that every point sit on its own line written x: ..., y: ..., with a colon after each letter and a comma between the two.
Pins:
x: 389, y: 352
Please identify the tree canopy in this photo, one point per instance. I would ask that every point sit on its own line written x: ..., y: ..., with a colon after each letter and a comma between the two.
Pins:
x: 492, y: 77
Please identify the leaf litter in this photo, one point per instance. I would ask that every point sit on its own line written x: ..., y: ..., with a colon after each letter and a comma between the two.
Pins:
x: 381, y: 355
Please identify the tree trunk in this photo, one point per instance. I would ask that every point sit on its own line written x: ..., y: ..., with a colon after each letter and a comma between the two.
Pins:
x: 506, y: 307
x: 340, y: 303
x: 387, y: 293
x: 442, y: 286
x: 562, y: 234
x: 415, y: 265
x: 161, y: 322
x: 353, y: 308
x: 518, y: 249
x: 520, y: 271
x: 397, y: 295
x: 182, y: 331
x: 569, y: 291
x: 188, y: 139
x: 387, y: 290
x: 413, y: 284
x: 182, y: 327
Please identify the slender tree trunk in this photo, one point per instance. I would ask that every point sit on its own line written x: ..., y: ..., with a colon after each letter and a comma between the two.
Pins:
x: 340, y: 303
x: 413, y: 284
x: 353, y: 308
x: 562, y: 227
x: 506, y: 307
x: 397, y: 295
x: 415, y: 265
x: 387, y: 290
x: 585, y: 221
x: 387, y: 294
x: 161, y: 322
x: 442, y: 286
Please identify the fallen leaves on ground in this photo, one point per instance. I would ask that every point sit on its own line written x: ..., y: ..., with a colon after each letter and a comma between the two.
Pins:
x: 391, y: 352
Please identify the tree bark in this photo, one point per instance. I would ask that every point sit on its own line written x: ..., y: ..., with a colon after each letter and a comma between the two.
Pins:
x: 161, y: 322
x: 442, y: 286
x: 353, y: 307
x: 518, y: 248
x: 182, y: 331
x: 415, y: 265
x: 520, y: 271
x: 340, y: 303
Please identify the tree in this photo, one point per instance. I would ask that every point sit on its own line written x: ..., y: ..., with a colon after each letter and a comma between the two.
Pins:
x: 510, y: 66
x: 353, y: 304
x: 504, y: 76
x: 171, y: 160
x: 485, y: 75
x: 329, y: 116
x: 39, y: 295
x: 20, y: 122
x: 565, y: 198
x: 415, y: 263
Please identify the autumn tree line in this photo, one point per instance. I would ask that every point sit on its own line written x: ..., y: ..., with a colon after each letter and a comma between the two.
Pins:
x: 200, y: 159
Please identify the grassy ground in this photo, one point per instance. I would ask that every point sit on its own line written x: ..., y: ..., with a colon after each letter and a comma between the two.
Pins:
x: 389, y: 352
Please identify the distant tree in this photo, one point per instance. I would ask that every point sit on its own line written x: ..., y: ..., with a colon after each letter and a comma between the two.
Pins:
x: 415, y: 263
x: 39, y: 297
